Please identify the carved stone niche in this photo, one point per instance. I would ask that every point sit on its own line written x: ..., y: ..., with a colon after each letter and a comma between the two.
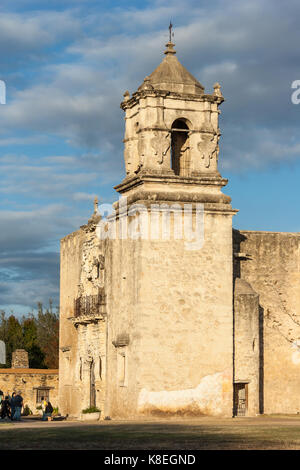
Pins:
x: 93, y: 267
x: 121, y: 340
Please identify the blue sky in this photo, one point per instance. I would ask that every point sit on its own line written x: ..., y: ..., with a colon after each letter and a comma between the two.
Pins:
x: 66, y: 65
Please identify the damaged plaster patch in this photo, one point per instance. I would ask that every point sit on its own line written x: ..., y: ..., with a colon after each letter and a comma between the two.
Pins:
x: 206, y: 398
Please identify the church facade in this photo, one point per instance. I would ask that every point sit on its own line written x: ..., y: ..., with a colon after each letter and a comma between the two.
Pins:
x: 165, y: 308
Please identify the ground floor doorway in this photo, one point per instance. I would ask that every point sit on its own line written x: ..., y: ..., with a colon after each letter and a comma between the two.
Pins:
x: 240, y: 399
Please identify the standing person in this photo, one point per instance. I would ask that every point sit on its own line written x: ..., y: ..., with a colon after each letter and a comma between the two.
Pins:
x: 44, y: 404
x: 5, y: 408
x: 12, y: 405
x: 1, y: 396
x: 18, y: 402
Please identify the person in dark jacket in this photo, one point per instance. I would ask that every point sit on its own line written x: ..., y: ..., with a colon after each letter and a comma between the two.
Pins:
x: 12, y: 405
x: 49, y: 411
x: 18, y: 403
x: 5, y: 408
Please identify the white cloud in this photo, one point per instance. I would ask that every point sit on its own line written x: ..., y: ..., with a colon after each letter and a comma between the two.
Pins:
x: 79, y: 101
x: 83, y: 197
x: 71, y: 97
x: 32, y: 31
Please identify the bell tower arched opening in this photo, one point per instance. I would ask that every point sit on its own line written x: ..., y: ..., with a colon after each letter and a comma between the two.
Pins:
x: 180, y: 158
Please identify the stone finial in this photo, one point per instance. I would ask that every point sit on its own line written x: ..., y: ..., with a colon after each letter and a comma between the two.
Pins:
x: 20, y: 359
x: 146, y: 85
x: 96, y: 217
x: 217, y: 89
x: 126, y: 95
x: 170, y: 48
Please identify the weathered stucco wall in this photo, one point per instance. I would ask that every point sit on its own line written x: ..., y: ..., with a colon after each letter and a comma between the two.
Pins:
x: 247, y: 343
x: 70, y: 264
x: 175, y: 307
x: 27, y: 381
x: 123, y: 272
x: 82, y: 328
x: 185, y: 321
x: 270, y: 262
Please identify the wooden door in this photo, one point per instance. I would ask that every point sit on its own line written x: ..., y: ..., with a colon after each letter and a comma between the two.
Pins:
x: 240, y: 399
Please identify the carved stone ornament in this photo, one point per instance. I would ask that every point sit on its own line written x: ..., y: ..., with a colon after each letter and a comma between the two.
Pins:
x: 141, y: 152
x: 208, y: 148
x: 161, y: 143
x: 146, y: 85
x: 217, y: 90
x: 126, y: 95
x: 127, y: 156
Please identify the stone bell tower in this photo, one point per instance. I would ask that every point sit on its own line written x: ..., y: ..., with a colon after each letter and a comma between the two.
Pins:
x: 175, y: 301
x: 172, y: 133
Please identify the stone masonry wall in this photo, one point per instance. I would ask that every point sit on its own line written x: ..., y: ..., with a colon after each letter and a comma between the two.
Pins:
x: 70, y: 265
x: 247, y: 342
x: 270, y: 262
x: 19, y: 359
x: 27, y: 381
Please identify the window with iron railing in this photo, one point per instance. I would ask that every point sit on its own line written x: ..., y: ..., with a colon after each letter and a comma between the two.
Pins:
x: 89, y: 305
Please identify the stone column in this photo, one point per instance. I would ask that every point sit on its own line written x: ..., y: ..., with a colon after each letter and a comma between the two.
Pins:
x: 20, y: 359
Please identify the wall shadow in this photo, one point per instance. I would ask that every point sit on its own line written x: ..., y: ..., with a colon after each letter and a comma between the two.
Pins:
x: 261, y: 360
x: 238, y: 257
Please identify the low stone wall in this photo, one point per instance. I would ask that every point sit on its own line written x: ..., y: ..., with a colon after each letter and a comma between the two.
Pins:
x: 28, y: 382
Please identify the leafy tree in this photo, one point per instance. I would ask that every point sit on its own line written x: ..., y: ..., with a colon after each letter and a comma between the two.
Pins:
x: 35, y: 354
x: 37, y: 335
x: 48, y: 334
x: 11, y: 333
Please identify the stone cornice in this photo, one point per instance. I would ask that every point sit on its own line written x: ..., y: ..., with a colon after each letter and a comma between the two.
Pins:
x: 87, y: 319
x: 152, y: 177
x: 130, y: 103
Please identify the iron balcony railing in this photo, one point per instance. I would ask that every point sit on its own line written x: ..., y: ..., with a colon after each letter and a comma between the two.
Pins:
x: 89, y: 304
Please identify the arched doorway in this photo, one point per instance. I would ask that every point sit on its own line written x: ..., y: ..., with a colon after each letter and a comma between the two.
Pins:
x: 180, y: 155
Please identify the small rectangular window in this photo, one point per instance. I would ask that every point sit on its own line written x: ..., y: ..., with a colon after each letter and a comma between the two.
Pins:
x: 42, y: 393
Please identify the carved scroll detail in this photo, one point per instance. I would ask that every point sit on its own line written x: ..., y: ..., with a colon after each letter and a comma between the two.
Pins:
x: 208, y: 148
x: 161, y: 143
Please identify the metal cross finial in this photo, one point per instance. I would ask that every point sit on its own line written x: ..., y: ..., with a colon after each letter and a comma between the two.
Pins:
x: 170, y: 32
